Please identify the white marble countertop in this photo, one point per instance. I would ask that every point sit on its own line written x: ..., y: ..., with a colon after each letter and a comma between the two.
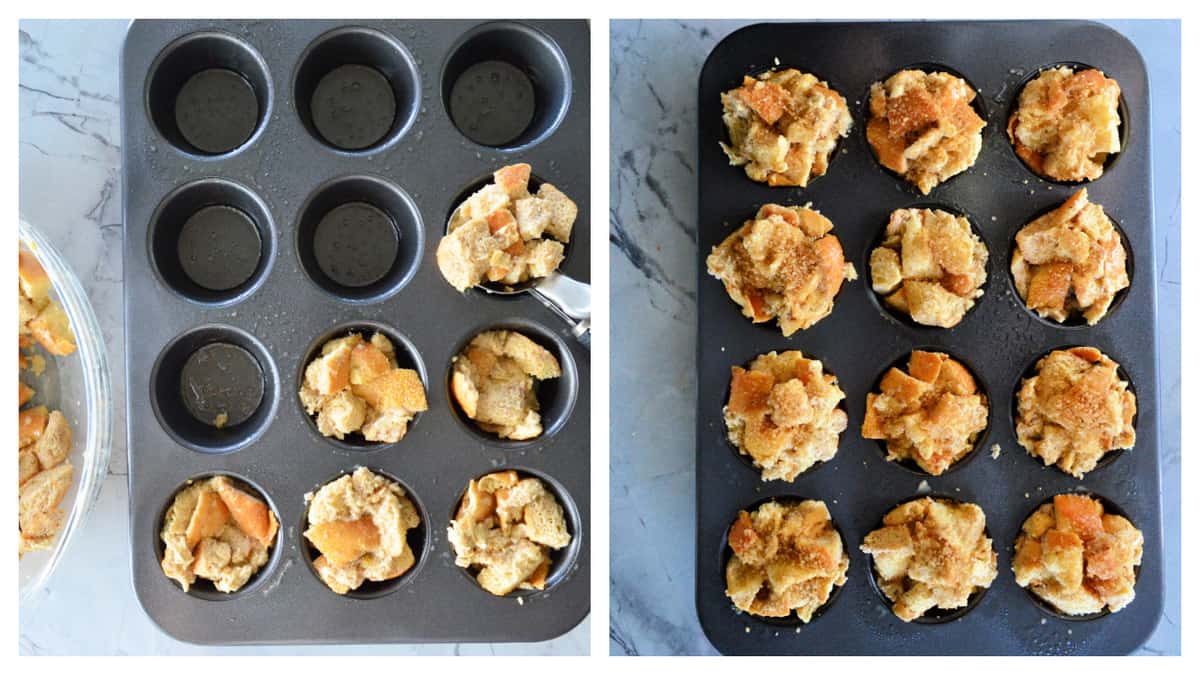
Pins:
x: 70, y: 175
x: 654, y: 69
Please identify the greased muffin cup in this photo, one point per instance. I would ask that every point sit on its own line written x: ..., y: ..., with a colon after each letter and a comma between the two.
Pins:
x: 998, y: 339
x: 245, y: 252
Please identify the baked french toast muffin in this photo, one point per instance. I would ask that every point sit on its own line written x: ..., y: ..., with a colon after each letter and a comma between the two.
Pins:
x: 1067, y: 123
x: 1075, y: 409
x: 930, y: 266
x: 1070, y: 262
x: 783, y: 414
x: 931, y: 415
x: 786, y: 557
x: 1077, y: 557
x: 784, y: 265
x: 783, y: 126
x: 923, y: 127
x: 930, y: 554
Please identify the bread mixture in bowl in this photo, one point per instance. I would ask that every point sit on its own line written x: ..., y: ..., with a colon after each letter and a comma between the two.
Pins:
x: 787, y: 557
x: 1077, y: 557
x: 43, y: 436
x: 932, y: 415
x: 1075, y: 409
x: 216, y: 530
x: 783, y: 125
x: 1067, y: 123
x: 931, y: 553
x: 783, y: 413
x: 784, y: 264
x: 923, y: 126
x: 505, y: 234
x: 359, y: 523
x: 356, y: 386
x: 930, y: 266
x: 506, y: 528
x: 1070, y: 262
x: 493, y: 381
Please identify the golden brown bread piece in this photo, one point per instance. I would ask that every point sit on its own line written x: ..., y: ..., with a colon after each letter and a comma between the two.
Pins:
x: 217, y: 531
x: 41, y: 317
x: 783, y: 126
x: 1067, y: 123
x: 492, y: 381
x: 1075, y: 409
x: 356, y: 386
x: 783, y: 264
x: 923, y: 127
x: 930, y: 266
x: 1070, y: 261
x: 931, y: 553
x: 787, y: 557
x: 1077, y: 557
x: 360, y: 524
x: 931, y: 415
x: 783, y: 413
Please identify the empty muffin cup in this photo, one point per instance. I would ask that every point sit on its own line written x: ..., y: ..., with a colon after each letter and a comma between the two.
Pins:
x: 562, y: 561
x: 213, y: 389
x: 208, y: 93
x: 204, y: 589
x: 360, y: 238
x: 406, y: 357
x: 506, y: 85
x: 416, y: 538
x: 357, y: 89
x: 211, y: 241
x: 556, y: 396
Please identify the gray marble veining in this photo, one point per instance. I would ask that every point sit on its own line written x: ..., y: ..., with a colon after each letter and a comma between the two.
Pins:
x: 70, y: 188
x: 654, y: 70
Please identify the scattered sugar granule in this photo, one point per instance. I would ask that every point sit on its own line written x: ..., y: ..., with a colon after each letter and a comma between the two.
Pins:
x: 923, y: 487
x: 776, y: 60
x: 995, y: 451
x: 520, y: 601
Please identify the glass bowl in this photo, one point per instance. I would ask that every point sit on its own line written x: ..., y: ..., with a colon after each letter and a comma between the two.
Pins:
x: 78, y: 385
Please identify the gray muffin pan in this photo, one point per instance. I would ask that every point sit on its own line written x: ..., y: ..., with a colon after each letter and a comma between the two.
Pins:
x: 285, y: 182
x: 998, y: 340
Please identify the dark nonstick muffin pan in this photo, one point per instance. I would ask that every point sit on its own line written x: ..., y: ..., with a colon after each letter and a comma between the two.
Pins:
x: 997, y: 340
x: 287, y: 182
